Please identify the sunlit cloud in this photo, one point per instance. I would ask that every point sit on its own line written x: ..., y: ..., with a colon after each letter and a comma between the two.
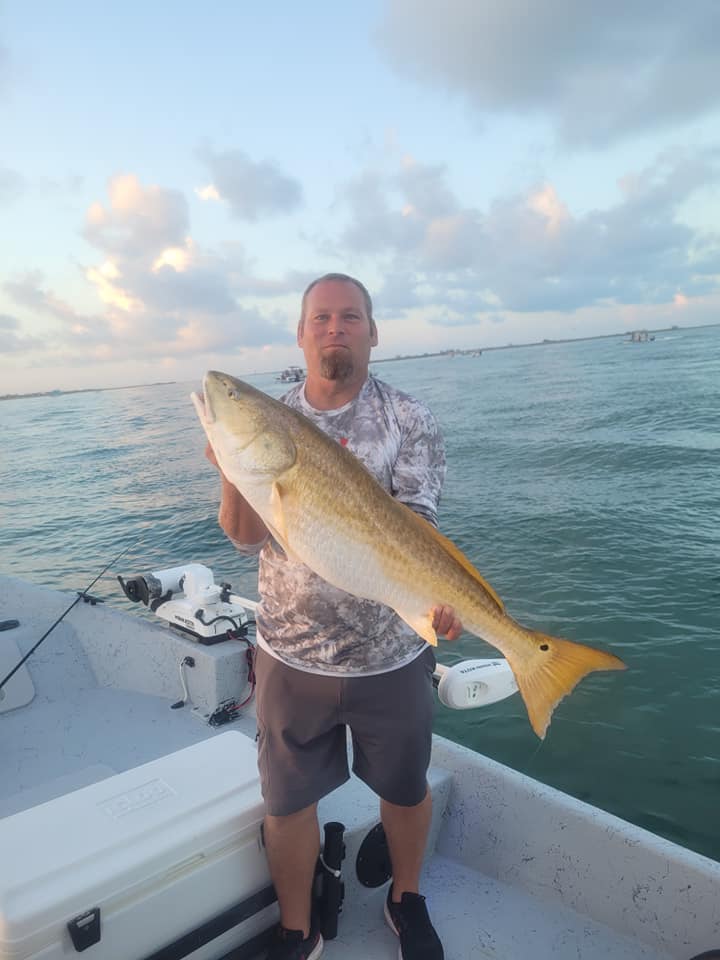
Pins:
x: 547, y: 203
x: 138, y: 220
x: 179, y: 258
x: 210, y: 192
x: 527, y: 251
x: 106, y: 280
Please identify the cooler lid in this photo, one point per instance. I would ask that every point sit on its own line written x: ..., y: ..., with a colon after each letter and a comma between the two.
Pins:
x: 64, y: 856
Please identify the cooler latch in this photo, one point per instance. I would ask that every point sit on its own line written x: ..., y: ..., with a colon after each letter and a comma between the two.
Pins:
x: 85, y: 930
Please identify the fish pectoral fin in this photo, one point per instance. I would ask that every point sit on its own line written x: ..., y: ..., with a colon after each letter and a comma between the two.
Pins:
x: 278, y: 525
x: 553, y: 668
x: 422, y: 625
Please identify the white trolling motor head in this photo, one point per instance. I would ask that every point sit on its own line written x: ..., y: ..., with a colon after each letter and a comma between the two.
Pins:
x: 474, y: 683
x: 204, y: 609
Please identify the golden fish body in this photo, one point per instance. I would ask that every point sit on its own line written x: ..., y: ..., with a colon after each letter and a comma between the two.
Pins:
x: 328, y: 512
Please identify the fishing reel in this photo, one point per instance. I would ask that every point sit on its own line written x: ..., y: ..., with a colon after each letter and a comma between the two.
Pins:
x: 204, y: 610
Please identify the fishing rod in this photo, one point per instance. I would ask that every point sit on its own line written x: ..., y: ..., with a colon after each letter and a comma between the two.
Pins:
x: 82, y: 595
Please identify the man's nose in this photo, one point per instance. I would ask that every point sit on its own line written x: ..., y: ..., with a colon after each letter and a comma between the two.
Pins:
x: 337, y: 324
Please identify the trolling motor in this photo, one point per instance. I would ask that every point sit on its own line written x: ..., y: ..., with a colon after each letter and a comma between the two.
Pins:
x: 203, y: 610
x: 190, y: 600
x: 474, y: 683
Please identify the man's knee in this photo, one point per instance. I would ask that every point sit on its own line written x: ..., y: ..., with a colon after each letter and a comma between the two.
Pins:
x: 291, y: 821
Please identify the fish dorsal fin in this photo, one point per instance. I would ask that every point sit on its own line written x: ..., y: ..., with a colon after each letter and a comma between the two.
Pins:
x: 457, y: 554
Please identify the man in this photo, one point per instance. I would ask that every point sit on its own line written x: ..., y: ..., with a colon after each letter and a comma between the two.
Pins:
x: 327, y: 660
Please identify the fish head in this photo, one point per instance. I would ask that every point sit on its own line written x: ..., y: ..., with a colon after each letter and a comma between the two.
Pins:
x: 245, y: 429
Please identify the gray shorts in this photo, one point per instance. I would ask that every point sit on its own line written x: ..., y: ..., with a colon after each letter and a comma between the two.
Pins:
x: 302, y: 740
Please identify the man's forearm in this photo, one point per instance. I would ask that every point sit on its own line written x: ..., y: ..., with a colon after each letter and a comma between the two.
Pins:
x: 238, y: 519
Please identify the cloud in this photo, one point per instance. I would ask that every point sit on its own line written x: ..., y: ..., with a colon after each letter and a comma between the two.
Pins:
x: 161, y: 296
x: 252, y: 190
x: 600, y: 71
x: 27, y: 291
x: 165, y: 296
x: 12, y: 339
x: 12, y: 184
x: 138, y: 220
x: 527, y: 252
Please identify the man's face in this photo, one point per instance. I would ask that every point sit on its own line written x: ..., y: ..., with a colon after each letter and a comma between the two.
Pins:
x: 335, y: 333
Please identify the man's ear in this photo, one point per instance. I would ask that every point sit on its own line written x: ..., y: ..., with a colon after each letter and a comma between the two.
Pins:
x: 373, y: 334
x: 300, y: 331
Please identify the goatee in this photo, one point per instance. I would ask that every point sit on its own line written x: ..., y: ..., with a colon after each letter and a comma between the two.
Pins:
x: 336, y: 366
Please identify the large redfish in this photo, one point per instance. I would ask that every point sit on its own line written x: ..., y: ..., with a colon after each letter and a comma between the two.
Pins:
x: 327, y: 511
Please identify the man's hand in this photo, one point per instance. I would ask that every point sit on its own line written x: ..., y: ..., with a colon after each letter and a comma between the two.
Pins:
x: 445, y: 622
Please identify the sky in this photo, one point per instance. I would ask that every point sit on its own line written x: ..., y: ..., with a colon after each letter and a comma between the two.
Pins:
x: 172, y: 175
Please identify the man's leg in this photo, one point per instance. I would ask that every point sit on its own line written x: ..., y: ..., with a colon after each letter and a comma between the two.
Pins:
x: 406, y: 829
x: 292, y: 844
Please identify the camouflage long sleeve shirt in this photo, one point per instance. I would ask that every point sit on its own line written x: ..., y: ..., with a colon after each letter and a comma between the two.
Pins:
x: 302, y: 619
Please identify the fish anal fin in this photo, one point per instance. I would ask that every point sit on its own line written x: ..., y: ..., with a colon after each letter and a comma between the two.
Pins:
x: 422, y: 625
x: 550, y: 672
x: 457, y: 554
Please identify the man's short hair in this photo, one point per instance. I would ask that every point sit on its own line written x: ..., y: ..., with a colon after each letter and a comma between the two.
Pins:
x: 341, y: 278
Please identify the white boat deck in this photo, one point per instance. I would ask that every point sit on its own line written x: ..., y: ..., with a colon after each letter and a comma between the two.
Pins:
x: 478, y: 917
x: 514, y: 870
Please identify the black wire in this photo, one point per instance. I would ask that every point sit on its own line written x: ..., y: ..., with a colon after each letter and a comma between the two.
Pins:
x: 209, y: 623
x: 78, y: 598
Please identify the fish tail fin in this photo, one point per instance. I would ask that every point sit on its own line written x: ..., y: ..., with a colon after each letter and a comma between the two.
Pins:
x: 554, y: 669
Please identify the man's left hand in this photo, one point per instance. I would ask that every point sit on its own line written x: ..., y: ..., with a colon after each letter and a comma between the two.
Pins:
x: 446, y: 622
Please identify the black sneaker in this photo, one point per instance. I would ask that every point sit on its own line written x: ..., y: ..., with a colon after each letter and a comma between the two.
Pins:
x: 410, y: 921
x: 290, y: 945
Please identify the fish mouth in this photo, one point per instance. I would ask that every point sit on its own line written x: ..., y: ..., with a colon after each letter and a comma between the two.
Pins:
x: 201, y: 402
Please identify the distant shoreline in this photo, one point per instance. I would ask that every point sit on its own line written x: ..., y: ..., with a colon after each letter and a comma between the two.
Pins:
x: 470, y: 351
x: 546, y: 342
x: 65, y: 393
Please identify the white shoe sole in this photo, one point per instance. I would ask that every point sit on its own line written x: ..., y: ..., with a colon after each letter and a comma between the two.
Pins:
x: 318, y: 949
x: 392, y: 926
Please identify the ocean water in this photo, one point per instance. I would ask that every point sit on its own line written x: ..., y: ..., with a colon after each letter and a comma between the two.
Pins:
x: 583, y: 482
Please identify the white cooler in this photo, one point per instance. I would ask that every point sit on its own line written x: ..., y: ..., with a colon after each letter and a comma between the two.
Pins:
x: 124, y: 868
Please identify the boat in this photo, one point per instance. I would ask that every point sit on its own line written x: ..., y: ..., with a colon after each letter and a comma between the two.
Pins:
x: 639, y: 336
x: 292, y: 375
x: 131, y: 809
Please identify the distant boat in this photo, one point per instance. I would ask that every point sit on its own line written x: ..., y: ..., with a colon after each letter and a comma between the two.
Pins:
x: 639, y: 336
x: 292, y: 375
